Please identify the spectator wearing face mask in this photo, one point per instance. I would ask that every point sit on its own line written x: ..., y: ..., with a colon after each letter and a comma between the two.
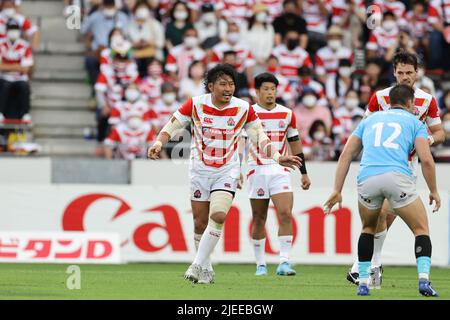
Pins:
x: 130, y: 139
x: 398, y: 8
x: 181, y: 56
x: 286, y: 93
x: 96, y: 29
x: 348, y: 110
x: 16, y: 61
x: 180, y: 22
x: 327, y: 58
x: 234, y: 42
x: 291, y: 56
x: 383, y: 37
x: 441, y: 152
x: 146, y: 35
x: 439, y: 19
x: 339, y: 85
x: 193, y: 85
x: 308, y: 111
x: 208, y: 27
x: 260, y: 35
x: 289, y: 20
x: 150, y: 86
x: 134, y: 101
x: 423, y: 81
x: 30, y: 32
x: 419, y: 28
x: 242, y: 84
x: 306, y: 82
x: 317, y: 145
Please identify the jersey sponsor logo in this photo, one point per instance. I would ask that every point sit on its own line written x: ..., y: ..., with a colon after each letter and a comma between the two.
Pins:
x: 260, y: 192
x: 231, y: 122
x: 197, y: 194
x: 415, y: 111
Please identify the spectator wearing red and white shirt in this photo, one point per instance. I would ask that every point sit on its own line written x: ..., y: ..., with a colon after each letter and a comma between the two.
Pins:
x: 285, y: 90
x: 16, y: 60
x: 307, y: 83
x: 327, y: 58
x: 29, y: 30
x: 418, y: 25
x: 233, y: 42
x: 316, y: 14
x: 150, y: 86
x: 130, y: 139
x: 166, y: 106
x: 396, y: 7
x: 237, y: 11
x: 350, y: 16
x: 291, y: 56
x: 439, y: 19
x: 290, y: 19
x: 275, y: 8
x: 181, y: 57
x: 133, y: 102
x: 383, y: 38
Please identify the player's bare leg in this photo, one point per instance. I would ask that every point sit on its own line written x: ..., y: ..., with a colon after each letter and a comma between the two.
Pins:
x: 259, y: 213
x: 369, y: 219
x: 200, y: 214
x: 415, y: 216
x: 283, y: 204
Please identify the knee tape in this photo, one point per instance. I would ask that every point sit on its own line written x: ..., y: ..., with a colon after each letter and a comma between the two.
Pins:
x: 220, y: 201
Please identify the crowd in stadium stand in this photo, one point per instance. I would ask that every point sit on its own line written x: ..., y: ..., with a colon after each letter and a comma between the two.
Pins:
x: 145, y: 57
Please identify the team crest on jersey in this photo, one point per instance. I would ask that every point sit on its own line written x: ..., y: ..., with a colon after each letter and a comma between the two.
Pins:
x: 227, y: 185
x: 281, y: 124
x: 197, y: 194
x: 263, y: 124
x: 415, y: 111
x: 260, y: 192
x: 231, y: 122
x: 207, y: 120
x: 285, y: 187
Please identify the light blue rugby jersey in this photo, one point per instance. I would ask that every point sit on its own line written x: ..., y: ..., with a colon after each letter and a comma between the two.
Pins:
x: 388, y: 138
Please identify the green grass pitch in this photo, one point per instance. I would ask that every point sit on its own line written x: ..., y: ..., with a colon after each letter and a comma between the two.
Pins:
x: 165, y: 281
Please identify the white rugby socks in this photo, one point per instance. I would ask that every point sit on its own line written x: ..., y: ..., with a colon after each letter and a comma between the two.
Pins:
x: 285, y: 247
x: 378, y: 242
x: 259, y: 246
x: 197, y: 238
x: 207, y: 244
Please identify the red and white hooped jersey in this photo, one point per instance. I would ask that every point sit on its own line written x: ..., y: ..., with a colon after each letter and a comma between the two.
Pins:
x: 122, y: 109
x: 420, y: 27
x: 17, y: 52
x: 26, y: 26
x: 380, y: 40
x: 275, y: 8
x: 164, y: 112
x: 398, y: 8
x: 151, y: 88
x: 279, y: 124
x: 435, y: 12
x: 339, y: 9
x: 131, y: 144
x: 180, y: 58
x: 237, y: 10
x: 244, y: 57
x: 426, y: 110
x: 327, y: 60
x: 315, y: 21
x: 215, y: 134
x: 290, y: 61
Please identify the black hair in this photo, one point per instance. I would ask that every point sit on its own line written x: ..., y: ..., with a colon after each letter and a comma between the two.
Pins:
x: 345, y: 63
x: 111, y: 34
x: 141, y: 3
x: 404, y: 57
x: 388, y: 14
x: 265, y: 77
x: 401, y: 94
x: 285, y: 2
x: 316, y: 124
x: 217, y: 72
x: 304, y: 70
x: 172, y: 10
x: 228, y: 52
x: 195, y: 62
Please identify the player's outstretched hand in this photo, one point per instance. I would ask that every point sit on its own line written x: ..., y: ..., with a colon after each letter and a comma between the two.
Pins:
x: 334, y: 198
x: 306, y: 183
x: 154, y: 150
x: 434, y: 197
x: 240, y: 181
x: 290, y: 161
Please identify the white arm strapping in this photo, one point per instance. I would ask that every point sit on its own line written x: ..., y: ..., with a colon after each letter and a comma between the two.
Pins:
x: 171, y: 127
x: 257, y: 136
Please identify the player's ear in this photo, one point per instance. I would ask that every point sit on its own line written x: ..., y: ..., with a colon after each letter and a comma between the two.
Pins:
x: 210, y: 86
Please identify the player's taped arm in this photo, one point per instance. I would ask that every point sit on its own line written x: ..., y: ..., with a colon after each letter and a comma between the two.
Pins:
x: 257, y: 136
x: 168, y: 131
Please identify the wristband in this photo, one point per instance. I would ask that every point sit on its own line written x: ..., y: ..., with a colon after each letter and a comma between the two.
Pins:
x: 431, y: 140
x: 303, y: 167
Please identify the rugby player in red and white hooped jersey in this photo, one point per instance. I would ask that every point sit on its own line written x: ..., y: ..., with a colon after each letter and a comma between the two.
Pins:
x: 267, y: 179
x: 426, y: 109
x: 217, y: 119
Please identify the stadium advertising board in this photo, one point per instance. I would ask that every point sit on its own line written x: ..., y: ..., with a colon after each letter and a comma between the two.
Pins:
x: 155, y: 223
x: 59, y: 247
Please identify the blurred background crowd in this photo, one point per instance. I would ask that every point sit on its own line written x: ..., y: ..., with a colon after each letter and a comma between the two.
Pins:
x: 145, y: 57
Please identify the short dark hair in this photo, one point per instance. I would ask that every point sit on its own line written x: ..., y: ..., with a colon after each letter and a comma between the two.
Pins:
x: 265, y: 77
x: 401, y: 94
x: 218, y: 71
x: 404, y: 57
x: 388, y: 14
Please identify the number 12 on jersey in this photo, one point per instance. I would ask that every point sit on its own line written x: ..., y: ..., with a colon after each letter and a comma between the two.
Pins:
x: 389, y: 142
